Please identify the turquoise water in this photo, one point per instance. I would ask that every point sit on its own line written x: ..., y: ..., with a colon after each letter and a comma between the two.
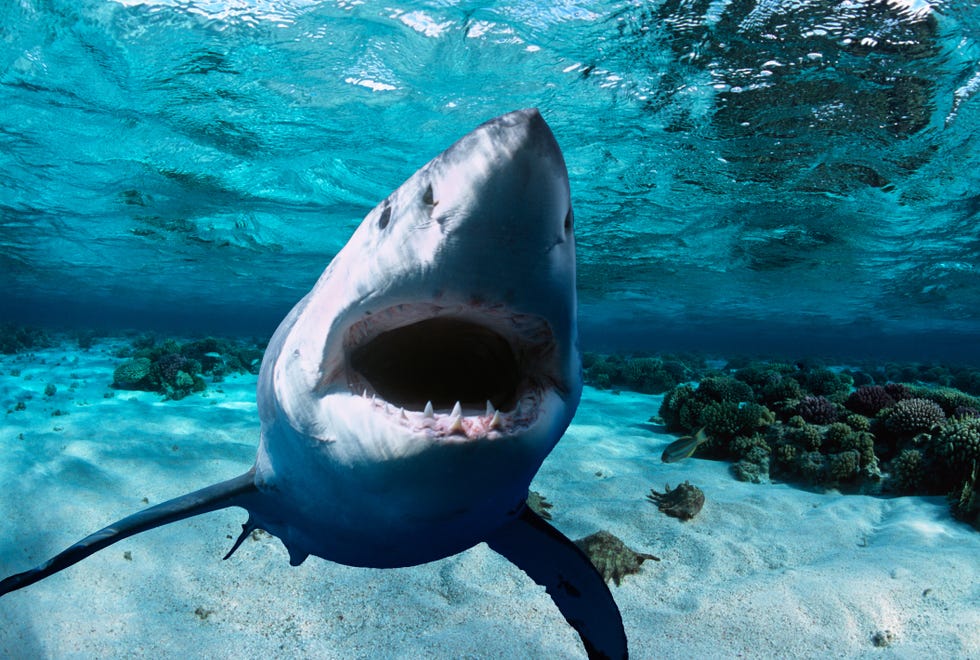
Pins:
x: 794, y: 178
x: 797, y: 176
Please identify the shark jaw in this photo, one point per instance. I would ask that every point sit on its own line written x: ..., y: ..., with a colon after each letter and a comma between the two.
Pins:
x: 458, y: 373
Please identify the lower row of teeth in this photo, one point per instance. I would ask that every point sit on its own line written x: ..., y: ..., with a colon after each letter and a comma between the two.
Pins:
x: 456, y: 417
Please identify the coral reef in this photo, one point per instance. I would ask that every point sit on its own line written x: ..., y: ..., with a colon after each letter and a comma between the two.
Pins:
x: 911, y: 416
x: 869, y: 400
x: 177, y: 370
x: 965, y: 505
x: 723, y: 406
x: 683, y: 502
x: 957, y: 444
x: 132, y: 374
x: 649, y: 375
x: 810, y: 424
x: 947, y: 398
x: 611, y: 557
x: 817, y: 410
x: 908, y: 472
x: 826, y: 383
x: 17, y: 338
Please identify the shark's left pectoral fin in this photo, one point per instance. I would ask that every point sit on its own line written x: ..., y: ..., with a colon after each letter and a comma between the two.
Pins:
x: 239, y: 491
x: 571, y: 580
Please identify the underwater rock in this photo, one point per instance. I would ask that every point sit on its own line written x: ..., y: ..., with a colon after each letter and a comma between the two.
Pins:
x: 537, y: 503
x: 754, y: 471
x: 611, y: 557
x: 683, y: 502
x: 883, y: 638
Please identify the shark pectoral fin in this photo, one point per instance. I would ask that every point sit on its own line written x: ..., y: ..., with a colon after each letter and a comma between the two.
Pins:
x: 234, y: 492
x: 571, y: 580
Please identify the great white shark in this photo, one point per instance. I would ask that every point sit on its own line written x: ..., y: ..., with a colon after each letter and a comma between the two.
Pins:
x: 409, y: 398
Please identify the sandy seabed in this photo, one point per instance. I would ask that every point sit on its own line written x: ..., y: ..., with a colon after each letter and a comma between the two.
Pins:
x: 764, y: 571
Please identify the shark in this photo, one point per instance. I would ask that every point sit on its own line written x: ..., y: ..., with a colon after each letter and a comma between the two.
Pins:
x: 407, y: 401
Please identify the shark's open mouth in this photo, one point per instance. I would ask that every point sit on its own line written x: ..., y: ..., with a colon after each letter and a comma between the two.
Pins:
x: 471, y: 370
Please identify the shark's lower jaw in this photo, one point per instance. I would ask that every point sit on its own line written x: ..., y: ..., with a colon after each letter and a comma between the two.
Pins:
x: 464, y: 371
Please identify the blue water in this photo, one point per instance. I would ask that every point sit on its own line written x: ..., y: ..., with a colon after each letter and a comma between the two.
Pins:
x: 761, y: 176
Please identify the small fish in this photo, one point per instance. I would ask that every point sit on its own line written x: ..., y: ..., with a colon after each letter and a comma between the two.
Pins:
x: 684, y: 447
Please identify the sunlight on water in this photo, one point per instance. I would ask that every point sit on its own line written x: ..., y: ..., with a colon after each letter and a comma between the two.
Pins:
x: 769, y: 163
x: 250, y: 12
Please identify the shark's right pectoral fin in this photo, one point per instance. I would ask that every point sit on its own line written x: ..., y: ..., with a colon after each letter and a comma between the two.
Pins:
x: 239, y: 491
x: 571, y: 580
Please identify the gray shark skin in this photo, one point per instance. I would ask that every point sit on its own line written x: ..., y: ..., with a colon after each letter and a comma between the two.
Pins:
x: 408, y: 400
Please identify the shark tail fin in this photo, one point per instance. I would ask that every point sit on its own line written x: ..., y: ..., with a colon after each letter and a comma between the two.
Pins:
x: 557, y: 564
x: 234, y: 492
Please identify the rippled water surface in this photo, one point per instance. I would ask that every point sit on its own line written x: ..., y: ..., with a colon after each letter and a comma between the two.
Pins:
x: 798, y: 173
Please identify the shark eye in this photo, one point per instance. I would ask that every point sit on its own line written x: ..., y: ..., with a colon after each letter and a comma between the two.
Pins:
x: 385, y: 218
x: 427, y: 196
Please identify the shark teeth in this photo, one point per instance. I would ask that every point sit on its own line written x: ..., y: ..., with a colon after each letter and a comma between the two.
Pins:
x: 456, y: 425
x: 468, y: 423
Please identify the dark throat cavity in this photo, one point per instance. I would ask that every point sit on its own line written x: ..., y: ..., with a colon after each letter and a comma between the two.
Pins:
x: 442, y: 360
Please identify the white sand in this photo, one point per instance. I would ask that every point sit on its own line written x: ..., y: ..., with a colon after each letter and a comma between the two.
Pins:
x: 764, y: 571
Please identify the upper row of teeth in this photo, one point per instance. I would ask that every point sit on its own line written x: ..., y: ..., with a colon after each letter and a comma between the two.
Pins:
x: 455, y: 417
